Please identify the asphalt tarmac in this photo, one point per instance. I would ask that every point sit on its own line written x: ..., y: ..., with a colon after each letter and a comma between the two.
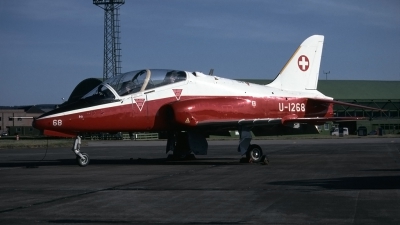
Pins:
x: 332, y: 181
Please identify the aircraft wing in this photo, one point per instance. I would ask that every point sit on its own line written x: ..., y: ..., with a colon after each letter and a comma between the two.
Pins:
x: 245, y: 122
x: 277, y: 121
x: 290, y: 119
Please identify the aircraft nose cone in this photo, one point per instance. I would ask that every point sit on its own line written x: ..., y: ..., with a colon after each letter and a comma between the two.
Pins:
x: 38, y: 124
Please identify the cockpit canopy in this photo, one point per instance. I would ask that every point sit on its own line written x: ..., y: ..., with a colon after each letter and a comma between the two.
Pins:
x: 136, y: 81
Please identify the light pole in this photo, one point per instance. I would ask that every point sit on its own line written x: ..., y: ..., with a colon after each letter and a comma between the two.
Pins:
x: 326, y: 74
x: 112, y: 46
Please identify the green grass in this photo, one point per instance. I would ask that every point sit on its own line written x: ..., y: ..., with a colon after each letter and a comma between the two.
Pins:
x: 42, y: 142
x: 9, y: 143
x: 303, y: 136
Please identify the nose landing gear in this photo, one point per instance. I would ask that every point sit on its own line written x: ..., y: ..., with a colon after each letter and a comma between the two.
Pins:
x: 81, y: 158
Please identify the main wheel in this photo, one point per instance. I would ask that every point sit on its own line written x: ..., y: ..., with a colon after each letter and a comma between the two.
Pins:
x: 83, y: 162
x: 254, y: 153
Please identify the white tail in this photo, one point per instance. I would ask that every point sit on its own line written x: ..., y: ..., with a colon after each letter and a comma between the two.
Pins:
x: 300, y: 73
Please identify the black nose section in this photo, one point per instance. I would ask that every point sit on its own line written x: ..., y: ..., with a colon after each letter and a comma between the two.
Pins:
x: 40, y: 124
x: 34, y: 123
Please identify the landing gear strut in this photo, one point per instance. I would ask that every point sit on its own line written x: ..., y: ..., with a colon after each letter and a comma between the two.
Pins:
x: 81, y: 158
x: 178, y: 144
x: 253, y: 152
x: 185, y: 145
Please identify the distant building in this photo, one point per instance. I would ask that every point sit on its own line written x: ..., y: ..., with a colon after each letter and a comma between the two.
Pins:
x: 18, y: 119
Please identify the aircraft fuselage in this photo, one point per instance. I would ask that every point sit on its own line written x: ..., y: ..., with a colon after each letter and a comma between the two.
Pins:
x: 182, y: 105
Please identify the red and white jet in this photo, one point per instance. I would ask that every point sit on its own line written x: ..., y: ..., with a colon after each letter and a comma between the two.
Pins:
x: 189, y: 106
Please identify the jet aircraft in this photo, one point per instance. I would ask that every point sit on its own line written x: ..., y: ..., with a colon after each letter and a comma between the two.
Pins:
x: 189, y: 106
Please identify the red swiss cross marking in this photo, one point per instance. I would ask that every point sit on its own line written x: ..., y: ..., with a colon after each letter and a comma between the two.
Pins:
x: 177, y: 93
x: 303, y: 63
x: 140, y: 103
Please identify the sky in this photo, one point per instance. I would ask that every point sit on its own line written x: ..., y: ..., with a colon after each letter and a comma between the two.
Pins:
x: 47, y: 47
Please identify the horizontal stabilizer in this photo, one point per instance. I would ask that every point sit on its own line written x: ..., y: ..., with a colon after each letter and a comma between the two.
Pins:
x: 320, y: 121
x: 329, y: 101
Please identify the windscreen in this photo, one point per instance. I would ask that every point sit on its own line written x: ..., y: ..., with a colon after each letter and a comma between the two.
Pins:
x: 140, y: 80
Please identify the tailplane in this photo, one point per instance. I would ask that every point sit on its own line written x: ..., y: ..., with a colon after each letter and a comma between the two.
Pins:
x: 300, y: 73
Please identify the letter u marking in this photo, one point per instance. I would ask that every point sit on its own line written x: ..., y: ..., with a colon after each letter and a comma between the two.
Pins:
x: 280, y: 107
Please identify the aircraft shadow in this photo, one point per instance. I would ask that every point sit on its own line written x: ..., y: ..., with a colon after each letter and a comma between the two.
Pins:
x: 137, y: 161
x: 357, y: 183
x: 383, y: 170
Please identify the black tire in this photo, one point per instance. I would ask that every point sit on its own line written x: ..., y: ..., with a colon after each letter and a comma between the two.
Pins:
x: 181, y: 157
x: 254, y: 153
x: 83, y: 162
x: 264, y: 160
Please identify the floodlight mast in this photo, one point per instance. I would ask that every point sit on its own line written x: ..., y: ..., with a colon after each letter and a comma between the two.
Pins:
x: 326, y: 74
x: 112, y: 45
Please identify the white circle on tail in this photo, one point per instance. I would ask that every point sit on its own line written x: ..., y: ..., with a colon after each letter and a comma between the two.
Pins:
x: 303, y: 63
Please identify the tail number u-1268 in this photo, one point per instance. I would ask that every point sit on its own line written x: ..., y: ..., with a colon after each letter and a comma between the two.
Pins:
x: 292, y: 107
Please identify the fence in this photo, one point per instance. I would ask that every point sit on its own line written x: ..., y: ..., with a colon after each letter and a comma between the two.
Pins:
x: 140, y: 136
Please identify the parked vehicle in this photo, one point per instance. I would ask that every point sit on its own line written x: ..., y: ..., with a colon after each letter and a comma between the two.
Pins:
x: 4, y: 134
x: 336, y: 131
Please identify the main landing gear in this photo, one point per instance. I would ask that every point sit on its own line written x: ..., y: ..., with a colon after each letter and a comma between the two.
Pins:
x: 253, y: 153
x: 81, y: 158
x: 185, y: 145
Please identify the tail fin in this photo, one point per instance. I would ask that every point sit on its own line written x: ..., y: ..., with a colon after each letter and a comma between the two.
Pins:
x: 300, y: 73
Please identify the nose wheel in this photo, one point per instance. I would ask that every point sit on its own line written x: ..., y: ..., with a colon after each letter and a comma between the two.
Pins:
x: 83, y: 160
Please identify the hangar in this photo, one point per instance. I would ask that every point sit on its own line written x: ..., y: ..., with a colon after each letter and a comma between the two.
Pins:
x: 379, y: 94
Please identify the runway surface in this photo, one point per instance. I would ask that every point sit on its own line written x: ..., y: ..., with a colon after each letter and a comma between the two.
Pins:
x: 332, y: 181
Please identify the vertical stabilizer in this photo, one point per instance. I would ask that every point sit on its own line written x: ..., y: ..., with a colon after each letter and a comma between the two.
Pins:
x: 300, y: 73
